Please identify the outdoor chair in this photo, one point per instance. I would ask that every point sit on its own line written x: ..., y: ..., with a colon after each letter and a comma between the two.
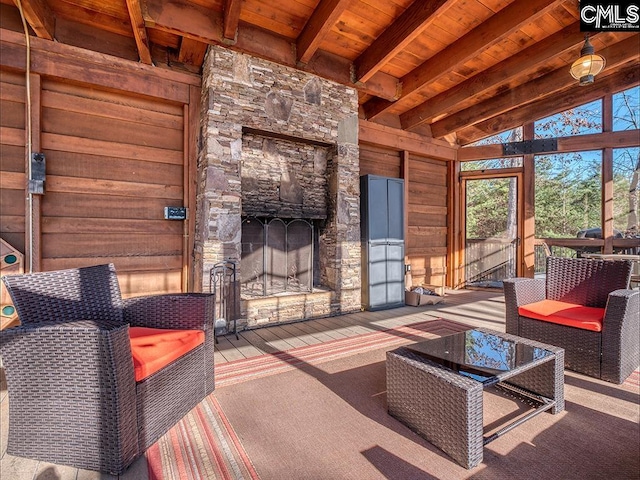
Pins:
x: 94, y: 380
x: 584, y: 306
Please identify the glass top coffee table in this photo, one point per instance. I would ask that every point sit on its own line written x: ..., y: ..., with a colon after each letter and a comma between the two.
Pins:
x: 435, y: 387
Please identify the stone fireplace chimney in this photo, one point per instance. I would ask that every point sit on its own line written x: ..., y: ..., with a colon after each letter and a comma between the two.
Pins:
x: 279, y: 145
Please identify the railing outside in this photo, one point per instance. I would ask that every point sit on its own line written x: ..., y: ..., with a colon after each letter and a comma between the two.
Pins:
x: 541, y: 253
x: 489, y: 261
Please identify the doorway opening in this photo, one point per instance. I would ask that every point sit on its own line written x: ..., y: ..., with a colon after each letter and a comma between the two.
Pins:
x: 491, y: 230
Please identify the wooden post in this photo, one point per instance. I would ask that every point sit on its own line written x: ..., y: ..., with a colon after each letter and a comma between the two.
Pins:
x: 528, y: 210
x: 404, y: 174
x: 607, y: 177
x: 454, y: 226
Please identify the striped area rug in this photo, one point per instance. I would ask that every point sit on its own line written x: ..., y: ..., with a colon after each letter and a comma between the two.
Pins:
x: 270, y: 364
x: 204, y: 446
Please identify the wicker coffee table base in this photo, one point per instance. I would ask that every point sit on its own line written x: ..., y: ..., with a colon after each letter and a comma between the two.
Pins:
x: 445, y: 407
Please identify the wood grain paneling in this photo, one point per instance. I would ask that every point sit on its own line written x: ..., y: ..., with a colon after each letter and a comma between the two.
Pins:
x: 114, y: 161
x: 71, y: 164
x: 12, y: 158
x: 426, y: 246
x: 379, y: 161
x: 103, y: 206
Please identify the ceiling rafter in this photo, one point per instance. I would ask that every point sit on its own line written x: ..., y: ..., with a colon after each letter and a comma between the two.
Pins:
x: 39, y: 17
x: 394, y: 39
x: 231, y: 18
x: 551, y: 104
x: 488, y: 33
x: 528, y: 59
x: 347, y: 41
x: 192, y: 52
x: 182, y: 18
x: 324, y: 17
x: 617, y: 54
x: 139, y: 31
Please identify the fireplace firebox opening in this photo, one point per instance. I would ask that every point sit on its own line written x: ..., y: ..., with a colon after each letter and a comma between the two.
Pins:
x: 278, y: 256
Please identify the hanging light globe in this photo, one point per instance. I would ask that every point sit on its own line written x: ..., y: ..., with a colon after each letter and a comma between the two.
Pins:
x: 588, y: 65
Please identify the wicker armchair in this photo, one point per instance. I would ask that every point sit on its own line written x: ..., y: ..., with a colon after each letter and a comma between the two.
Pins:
x: 73, y: 394
x: 605, y: 348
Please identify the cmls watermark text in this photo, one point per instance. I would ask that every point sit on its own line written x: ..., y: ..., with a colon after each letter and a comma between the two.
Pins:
x: 598, y: 16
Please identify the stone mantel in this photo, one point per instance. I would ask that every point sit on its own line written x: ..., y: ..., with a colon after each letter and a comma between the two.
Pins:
x: 246, y: 99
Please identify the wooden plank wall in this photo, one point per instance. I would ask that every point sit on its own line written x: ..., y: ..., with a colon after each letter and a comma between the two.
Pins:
x: 426, y: 244
x: 426, y: 179
x: 120, y: 145
x: 381, y: 161
x: 114, y: 161
x: 12, y: 158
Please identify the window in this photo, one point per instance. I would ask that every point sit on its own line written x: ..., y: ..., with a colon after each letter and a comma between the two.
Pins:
x: 567, y: 193
x: 494, y: 163
x: 626, y: 110
x: 575, y: 121
x: 626, y: 197
x: 513, y: 135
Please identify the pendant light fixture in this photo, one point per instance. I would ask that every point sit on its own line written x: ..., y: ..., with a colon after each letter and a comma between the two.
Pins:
x: 588, y: 65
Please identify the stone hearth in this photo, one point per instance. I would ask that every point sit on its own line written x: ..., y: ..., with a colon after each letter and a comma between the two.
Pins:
x: 279, y: 143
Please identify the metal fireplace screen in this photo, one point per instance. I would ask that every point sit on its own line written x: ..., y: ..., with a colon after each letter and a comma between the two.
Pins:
x: 277, y: 256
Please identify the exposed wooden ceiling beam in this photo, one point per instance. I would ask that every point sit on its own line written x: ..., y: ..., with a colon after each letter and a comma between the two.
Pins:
x: 568, y: 98
x: 488, y: 33
x: 39, y: 17
x: 615, y: 55
x: 139, y: 31
x: 501, y: 73
x: 376, y: 134
x: 231, y: 18
x: 394, y: 39
x: 205, y: 25
x: 192, y: 51
x: 319, y: 24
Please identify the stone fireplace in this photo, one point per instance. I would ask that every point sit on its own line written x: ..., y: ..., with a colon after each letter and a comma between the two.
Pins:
x: 278, y: 188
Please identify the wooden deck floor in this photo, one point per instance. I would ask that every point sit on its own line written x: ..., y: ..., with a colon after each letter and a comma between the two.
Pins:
x: 475, y: 308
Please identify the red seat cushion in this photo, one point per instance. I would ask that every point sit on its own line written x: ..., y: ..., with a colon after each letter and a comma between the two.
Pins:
x: 154, y: 348
x: 579, y: 316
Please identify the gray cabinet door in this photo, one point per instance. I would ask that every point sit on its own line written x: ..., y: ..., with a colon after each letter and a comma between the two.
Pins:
x: 382, y: 208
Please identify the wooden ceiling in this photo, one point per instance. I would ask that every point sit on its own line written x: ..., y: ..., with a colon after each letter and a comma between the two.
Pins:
x: 454, y: 69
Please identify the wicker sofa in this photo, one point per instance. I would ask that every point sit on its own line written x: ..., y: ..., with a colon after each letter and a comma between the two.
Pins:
x: 91, y: 378
x: 585, y: 307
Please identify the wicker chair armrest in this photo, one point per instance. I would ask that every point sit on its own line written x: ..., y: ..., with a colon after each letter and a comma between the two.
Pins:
x: 61, y: 327
x: 517, y: 292
x: 73, y: 379
x: 524, y: 290
x: 620, y: 335
x: 178, y: 311
x: 77, y: 340
x: 622, y: 306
